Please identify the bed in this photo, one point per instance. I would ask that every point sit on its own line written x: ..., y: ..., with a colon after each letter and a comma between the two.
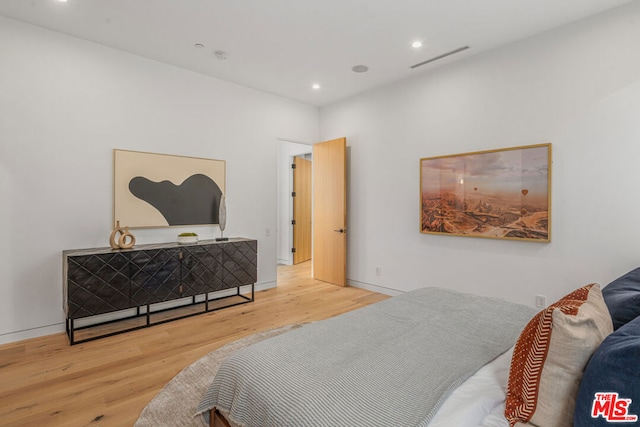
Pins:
x: 430, y: 357
x: 391, y: 363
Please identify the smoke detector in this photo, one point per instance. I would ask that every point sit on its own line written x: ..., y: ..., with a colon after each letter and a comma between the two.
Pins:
x: 221, y: 55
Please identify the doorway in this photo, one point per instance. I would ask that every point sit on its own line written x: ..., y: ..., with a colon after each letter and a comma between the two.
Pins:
x: 329, y: 208
x: 288, y: 152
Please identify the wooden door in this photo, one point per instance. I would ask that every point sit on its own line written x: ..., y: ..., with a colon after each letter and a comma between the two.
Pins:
x: 301, y: 210
x: 330, y: 211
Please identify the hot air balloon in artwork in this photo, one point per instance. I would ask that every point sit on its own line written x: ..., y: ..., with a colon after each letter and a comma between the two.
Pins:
x: 524, y: 191
x: 475, y: 188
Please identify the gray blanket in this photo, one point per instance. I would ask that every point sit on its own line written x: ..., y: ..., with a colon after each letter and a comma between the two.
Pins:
x: 389, y: 364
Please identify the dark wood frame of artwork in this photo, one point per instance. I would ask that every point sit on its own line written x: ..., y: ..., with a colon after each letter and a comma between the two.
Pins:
x: 161, y: 190
x: 501, y: 194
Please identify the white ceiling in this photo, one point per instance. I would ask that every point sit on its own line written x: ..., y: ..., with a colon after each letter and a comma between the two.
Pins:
x: 283, y: 46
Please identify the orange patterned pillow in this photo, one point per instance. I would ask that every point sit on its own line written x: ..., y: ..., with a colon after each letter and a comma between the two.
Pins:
x: 550, y: 356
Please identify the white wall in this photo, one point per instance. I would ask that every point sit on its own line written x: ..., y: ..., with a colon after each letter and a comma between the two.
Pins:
x: 577, y: 87
x: 65, y: 104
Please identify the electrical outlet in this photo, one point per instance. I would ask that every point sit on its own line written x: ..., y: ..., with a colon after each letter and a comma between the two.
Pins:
x: 378, y: 271
x: 541, y: 301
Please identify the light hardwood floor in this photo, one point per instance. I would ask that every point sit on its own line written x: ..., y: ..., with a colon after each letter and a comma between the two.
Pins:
x: 107, y: 382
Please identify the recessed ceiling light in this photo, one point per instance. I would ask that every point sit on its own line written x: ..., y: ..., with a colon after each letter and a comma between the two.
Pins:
x: 315, y: 86
x: 416, y: 44
x: 62, y: 1
x: 198, y: 45
x: 359, y: 68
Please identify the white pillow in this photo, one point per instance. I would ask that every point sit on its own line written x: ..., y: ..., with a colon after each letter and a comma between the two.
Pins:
x: 477, y: 397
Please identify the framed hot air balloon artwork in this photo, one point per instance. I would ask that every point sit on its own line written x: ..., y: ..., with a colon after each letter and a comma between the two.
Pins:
x: 161, y: 190
x: 500, y: 194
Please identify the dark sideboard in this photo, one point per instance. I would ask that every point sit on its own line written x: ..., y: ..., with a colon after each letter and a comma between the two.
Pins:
x: 117, y: 290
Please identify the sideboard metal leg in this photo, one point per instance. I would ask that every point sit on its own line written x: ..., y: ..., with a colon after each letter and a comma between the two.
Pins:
x: 70, y: 331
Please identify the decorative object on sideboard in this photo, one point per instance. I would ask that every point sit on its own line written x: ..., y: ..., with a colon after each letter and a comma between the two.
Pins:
x: 186, y: 238
x: 124, y: 240
x: 222, y: 216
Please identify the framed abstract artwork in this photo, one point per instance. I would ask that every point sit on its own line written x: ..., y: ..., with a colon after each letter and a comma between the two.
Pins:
x: 502, y: 194
x: 160, y: 190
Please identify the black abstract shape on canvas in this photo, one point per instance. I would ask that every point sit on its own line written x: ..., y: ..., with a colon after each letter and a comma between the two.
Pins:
x: 195, y: 201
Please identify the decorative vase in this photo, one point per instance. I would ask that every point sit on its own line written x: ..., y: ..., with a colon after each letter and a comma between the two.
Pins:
x: 125, y: 240
x: 112, y: 237
x: 222, y: 219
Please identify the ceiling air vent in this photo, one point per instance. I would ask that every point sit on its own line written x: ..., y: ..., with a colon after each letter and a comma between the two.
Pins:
x: 444, y: 55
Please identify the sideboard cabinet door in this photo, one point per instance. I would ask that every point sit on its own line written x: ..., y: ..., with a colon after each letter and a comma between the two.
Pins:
x: 155, y: 276
x: 201, y: 269
x: 97, y: 284
x: 239, y: 263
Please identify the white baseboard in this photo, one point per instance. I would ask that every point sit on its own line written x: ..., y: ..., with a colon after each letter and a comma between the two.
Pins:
x: 373, y: 288
x: 32, y: 333
x: 265, y: 286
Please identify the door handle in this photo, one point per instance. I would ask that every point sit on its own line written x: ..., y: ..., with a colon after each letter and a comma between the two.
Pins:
x: 342, y: 230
